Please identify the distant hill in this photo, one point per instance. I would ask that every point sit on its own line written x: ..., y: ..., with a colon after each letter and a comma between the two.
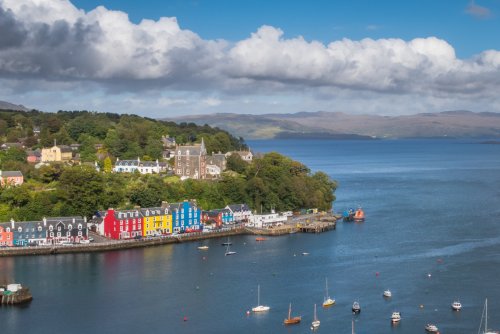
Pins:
x: 322, y: 124
x: 10, y: 106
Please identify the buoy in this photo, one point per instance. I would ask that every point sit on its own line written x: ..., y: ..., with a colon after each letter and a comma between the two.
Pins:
x: 429, y: 275
x: 248, y: 312
x: 421, y: 305
x: 185, y: 318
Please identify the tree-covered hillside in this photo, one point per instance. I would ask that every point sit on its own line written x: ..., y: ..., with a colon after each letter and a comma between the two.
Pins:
x: 271, y: 181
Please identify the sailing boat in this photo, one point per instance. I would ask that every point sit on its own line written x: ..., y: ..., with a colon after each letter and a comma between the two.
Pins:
x: 259, y: 308
x: 291, y: 320
x: 228, y: 252
x: 315, y: 324
x: 485, y: 316
x: 328, y: 301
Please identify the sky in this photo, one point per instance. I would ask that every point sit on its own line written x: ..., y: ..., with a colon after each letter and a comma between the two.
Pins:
x: 161, y: 58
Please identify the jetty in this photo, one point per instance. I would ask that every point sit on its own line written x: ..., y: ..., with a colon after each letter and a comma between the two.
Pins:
x: 14, y: 294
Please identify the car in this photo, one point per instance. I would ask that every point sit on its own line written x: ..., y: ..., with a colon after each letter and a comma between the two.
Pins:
x: 91, y: 239
x: 85, y: 241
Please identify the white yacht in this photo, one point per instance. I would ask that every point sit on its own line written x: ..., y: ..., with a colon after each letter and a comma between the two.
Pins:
x: 431, y: 328
x: 396, y: 317
x: 456, y: 305
x: 387, y: 293
x: 259, y: 308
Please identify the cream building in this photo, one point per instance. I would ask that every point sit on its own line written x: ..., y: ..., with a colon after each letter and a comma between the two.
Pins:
x: 61, y: 153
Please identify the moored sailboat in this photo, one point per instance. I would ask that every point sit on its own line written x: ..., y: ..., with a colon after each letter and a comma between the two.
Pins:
x: 291, y: 320
x: 259, y: 308
x: 328, y: 301
x: 315, y: 324
x: 228, y: 251
x: 484, y: 316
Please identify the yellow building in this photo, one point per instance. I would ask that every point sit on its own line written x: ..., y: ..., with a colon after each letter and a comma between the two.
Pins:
x: 156, y: 221
x: 61, y: 153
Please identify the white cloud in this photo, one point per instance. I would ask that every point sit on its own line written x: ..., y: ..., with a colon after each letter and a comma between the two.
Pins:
x: 50, y: 45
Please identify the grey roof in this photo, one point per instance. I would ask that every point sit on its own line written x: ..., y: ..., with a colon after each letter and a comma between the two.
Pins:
x: 36, y: 153
x: 154, y: 211
x: 65, y: 148
x: 238, y: 207
x: 11, y: 173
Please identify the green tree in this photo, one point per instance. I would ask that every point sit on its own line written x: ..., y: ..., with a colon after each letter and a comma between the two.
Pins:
x: 235, y: 163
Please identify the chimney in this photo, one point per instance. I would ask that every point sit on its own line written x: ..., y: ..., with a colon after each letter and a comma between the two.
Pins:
x: 85, y: 219
x: 12, y: 222
x: 44, y: 222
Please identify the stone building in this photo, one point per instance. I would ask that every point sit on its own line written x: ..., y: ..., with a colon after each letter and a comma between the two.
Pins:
x: 191, y: 161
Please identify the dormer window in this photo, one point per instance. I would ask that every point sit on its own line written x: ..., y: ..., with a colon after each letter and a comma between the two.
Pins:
x: 79, y: 226
x: 19, y: 229
x: 7, y: 229
x: 39, y: 229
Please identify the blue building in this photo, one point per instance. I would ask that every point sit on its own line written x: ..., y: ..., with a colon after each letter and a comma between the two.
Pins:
x: 186, y: 217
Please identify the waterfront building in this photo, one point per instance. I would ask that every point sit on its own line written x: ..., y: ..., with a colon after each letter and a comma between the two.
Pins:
x: 186, y: 216
x: 61, y: 153
x: 65, y: 229
x: 241, y: 212
x: 11, y: 178
x: 123, y: 224
x: 217, y: 218
x: 190, y: 161
x: 156, y: 221
x: 267, y: 220
x: 6, y: 235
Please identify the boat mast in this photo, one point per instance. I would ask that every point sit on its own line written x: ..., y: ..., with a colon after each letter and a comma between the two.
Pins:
x: 290, y: 311
x: 258, y: 295
x: 326, y: 288
x: 315, y: 317
x: 352, y: 326
x: 486, y: 316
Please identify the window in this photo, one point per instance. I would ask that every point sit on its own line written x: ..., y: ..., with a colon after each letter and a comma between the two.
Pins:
x: 79, y: 233
x: 51, y: 234
x: 39, y: 229
x: 68, y: 234
x: 58, y: 234
x: 20, y: 229
x: 8, y: 229
x: 59, y: 228
x: 70, y: 227
x: 79, y: 226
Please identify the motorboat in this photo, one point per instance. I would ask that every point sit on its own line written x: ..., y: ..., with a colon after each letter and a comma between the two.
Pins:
x: 203, y: 247
x: 431, y: 328
x: 396, y: 317
x: 359, y: 215
x: 356, y: 308
x: 260, y: 239
x: 456, y: 305
x: 387, y: 293
x: 259, y: 308
x: 291, y: 320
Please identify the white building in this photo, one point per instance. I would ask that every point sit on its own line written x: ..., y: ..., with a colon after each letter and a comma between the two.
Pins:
x: 267, y: 220
x: 143, y: 167
x: 241, y: 212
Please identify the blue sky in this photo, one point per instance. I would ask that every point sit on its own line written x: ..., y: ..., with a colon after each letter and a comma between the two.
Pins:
x: 325, y: 20
x: 172, y: 58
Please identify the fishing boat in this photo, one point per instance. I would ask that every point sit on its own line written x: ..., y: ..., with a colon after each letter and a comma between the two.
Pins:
x: 348, y: 215
x: 203, y: 247
x: 291, y: 320
x: 456, y: 305
x: 359, y: 215
x: 387, y: 293
x: 484, y: 316
x: 260, y: 239
x: 227, y: 243
x: 356, y: 308
x: 315, y: 324
x: 228, y: 251
x: 395, y: 317
x: 328, y: 301
x: 431, y: 328
x: 259, y: 308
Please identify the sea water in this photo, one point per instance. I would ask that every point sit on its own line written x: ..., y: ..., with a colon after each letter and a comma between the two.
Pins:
x: 431, y: 235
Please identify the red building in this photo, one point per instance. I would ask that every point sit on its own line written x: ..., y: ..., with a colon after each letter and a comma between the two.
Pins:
x: 124, y: 224
x: 6, y: 236
x: 212, y: 218
x: 11, y: 178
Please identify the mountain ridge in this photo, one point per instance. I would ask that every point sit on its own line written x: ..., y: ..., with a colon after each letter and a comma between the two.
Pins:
x: 450, y: 123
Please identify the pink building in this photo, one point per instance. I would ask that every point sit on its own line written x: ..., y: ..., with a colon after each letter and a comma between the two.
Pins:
x: 11, y: 178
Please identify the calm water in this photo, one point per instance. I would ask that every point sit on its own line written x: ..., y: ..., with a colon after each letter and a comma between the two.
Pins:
x: 432, y: 208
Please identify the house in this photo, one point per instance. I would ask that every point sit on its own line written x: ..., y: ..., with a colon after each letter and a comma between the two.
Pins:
x: 246, y: 156
x: 217, y: 217
x: 143, y: 167
x: 186, y: 216
x: 168, y: 142
x: 267, y: 220
x: 6, y: 235
x: 6, y: 146
x: 34, y: 157
x: 124, y: 224
x: 156, y: 221
x: 241, y: 212
x: 190, y: 161
x: 215, y: 165
x: 75, y: 147
x: 36, y: 131
x: 66, y: 229
x: 11, y: 178
x: 61, y: 153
